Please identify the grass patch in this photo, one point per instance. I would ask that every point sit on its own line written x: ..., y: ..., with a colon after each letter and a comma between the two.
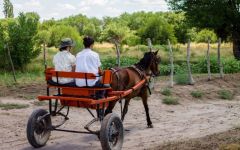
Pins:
x: 225, y: 94
x: 9, y: 106
x: 181, y: 79
x: 197, y: 94
x: 170, y: 101
x: 166, y: 92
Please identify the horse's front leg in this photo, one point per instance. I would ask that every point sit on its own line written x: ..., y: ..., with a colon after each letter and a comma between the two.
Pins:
x: 144, y: 97
x: 125, y: 108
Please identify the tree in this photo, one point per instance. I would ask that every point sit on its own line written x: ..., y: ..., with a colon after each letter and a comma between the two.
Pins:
x: 22, y: 39
x: 220, y: 15
x: 158, y: 30
x: 8, y: 9
x: 58, y: 32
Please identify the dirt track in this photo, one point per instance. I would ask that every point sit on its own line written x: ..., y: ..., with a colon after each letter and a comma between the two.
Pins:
x: 189, y: 120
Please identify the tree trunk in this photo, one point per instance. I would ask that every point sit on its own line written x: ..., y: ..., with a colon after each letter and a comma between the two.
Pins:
x: 236, y: 45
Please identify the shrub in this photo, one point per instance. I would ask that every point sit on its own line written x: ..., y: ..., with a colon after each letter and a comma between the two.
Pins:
x: 204, y: 34
x: 21, y: 38
x: 170, y: 101
x: 110, y: 62
x: 225, y: 94
x: 166, y: 92
x: 197, y: 94
x: 181, y: 79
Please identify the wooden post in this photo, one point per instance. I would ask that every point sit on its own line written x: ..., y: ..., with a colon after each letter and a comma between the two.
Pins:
x: 149, y: 44
x: 190, y: 78
x: 11, y: 62
x: 44, y: 55
x: 219, y: 59
x: 208, y: 61
x: 171, y: 61
x: 118, y: 53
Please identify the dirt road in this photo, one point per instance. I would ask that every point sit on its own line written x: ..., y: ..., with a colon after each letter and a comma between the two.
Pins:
x: 191, y: 119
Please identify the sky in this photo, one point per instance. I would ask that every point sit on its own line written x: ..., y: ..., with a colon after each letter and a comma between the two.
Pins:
x: 57, y: 9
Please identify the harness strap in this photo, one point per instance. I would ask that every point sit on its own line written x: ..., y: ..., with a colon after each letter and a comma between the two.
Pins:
x: 115, y: 71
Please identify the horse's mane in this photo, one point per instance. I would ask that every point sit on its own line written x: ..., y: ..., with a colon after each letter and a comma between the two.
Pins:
x: 145, y: 61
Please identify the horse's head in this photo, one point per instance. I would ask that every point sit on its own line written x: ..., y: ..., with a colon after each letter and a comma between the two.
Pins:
x: 150, y: 62
x: 155, y: 61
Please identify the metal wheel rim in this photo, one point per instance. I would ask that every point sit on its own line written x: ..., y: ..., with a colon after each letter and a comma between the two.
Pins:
x: 41, y: 133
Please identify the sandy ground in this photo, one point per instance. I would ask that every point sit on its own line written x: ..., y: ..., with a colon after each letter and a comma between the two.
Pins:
x: 190, y: 120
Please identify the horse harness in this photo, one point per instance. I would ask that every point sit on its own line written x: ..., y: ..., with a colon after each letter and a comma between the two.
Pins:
x: 137, y: 70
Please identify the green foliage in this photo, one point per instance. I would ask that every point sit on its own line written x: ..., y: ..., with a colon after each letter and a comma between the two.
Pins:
x: 22, y: 41
x: 219, y: 15
x: 158, y: 30
x: 59, y: 32
x: 170, y: 101
x: 197, y: 94
x: 110, y: 62
x: 118, y: 32
x: 181, y: 78
x: 8, y: 9
x: 225, y: 94
x: 166, y: 92
x: 204, y: 34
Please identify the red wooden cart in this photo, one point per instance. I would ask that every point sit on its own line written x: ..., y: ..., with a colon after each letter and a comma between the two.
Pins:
x: 111, y: 134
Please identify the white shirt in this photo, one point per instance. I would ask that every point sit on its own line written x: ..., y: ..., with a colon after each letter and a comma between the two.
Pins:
x: 87, y: 61
x: 63, y: 61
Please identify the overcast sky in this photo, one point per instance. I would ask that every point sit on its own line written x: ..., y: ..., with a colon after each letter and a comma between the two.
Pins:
x: 48, y: 9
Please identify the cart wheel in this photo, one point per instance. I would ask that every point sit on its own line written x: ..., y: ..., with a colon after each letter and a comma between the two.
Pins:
x: 111, y: 133
x: 38, y: 131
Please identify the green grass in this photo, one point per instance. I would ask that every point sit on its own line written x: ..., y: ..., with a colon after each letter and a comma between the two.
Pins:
x: 166, y: 92
x: 197, y: 94
x: 181, y: 79
x: 9, y: 106
x: 170, y: 101
x: 225, y: 94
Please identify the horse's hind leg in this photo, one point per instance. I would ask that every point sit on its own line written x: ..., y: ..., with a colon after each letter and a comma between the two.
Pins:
x: 144, y: 100
x: 110, y: 107
x: 125, y: 108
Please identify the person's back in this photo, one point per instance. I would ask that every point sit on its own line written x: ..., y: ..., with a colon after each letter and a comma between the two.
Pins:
x: 64, y: 61
x: 88, y: 61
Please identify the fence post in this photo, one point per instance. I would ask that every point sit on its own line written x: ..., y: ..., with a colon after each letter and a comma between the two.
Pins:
x: 208, y: 61
x: 219, y: 59
x: 190, y: 78
x: 149, y: 44
x: 118, y: 52
x: 44, y: 55
x: 171, y: 61
x: 11, y: 62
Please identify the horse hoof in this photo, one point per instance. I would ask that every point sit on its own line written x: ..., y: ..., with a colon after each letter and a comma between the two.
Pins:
x: 150, y: 126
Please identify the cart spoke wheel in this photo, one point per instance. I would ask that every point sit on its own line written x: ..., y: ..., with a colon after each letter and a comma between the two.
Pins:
x: 111, y: 133
x: 38, y: 128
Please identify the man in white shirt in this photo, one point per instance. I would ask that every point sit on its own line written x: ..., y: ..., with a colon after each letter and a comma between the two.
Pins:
x: 64, y: 61
x: 88, y: 61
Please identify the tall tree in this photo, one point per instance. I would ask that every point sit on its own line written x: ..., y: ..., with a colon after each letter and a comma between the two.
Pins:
x: 8, y: 9
x: 220, y: 15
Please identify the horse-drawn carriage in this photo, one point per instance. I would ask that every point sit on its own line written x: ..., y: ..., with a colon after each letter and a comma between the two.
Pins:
x: 62, y: 97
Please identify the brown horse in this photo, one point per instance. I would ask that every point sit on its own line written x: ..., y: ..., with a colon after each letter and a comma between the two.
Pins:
x: 125, y: 78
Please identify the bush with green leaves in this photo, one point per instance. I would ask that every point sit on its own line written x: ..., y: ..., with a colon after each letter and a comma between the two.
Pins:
x: 225, y: 94
x: 170, y: 101
x: 166, y: 92
x: 110, y: 62
x: 22, y: 39
x: 59, y: 32
x: 204, y: 34
x: 197, y: 94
